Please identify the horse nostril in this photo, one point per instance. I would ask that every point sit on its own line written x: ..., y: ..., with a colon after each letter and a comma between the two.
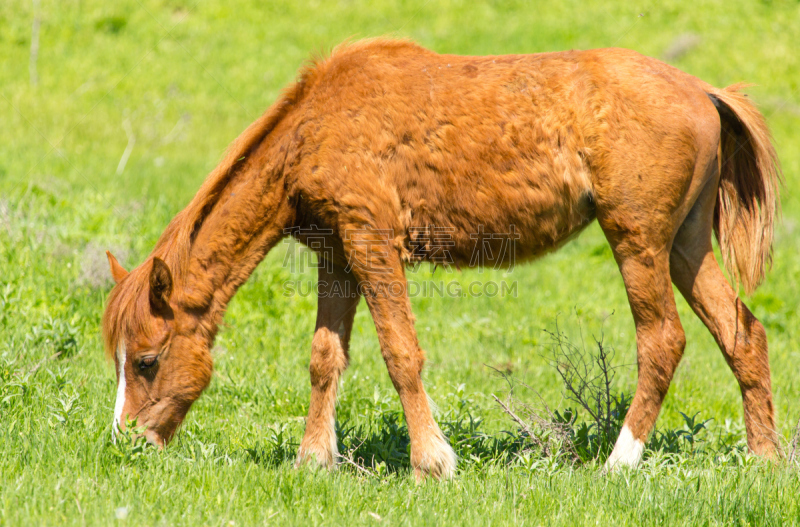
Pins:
x: 154, y: 439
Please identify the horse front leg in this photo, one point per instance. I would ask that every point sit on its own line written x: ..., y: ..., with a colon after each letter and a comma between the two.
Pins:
x: 337, y: 302
x: 385, y: 289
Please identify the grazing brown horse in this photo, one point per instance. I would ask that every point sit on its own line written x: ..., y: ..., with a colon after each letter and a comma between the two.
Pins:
x: 382, y: 140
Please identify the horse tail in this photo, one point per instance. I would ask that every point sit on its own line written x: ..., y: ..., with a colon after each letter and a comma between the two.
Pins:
x: 749, y: 187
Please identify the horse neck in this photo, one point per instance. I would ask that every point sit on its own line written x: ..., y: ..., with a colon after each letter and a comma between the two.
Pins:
x: 249, y: 218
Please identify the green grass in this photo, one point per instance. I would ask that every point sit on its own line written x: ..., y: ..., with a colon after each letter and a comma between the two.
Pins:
x: 187, y: 77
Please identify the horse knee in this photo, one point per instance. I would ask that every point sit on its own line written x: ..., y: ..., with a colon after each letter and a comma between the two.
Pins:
x: 328, y: 358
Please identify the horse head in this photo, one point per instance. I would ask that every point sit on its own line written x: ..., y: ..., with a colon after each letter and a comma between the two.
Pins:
x: 163, y: 360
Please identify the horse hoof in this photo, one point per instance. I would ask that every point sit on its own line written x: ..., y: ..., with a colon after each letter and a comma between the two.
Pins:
x: 436, y: 459
x: 309, y: 458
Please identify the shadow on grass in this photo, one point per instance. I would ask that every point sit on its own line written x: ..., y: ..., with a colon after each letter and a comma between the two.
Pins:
x: 277, y: 450
x: 384, y: 448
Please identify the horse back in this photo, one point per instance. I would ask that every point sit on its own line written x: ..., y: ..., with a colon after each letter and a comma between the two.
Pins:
x: 496, y: 152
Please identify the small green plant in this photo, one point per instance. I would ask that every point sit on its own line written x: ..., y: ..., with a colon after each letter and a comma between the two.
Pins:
x: 58, y: 336
x: 130, y: 444
x: 65, y: 409
x: 279, y: 448
x: 388, y: 444
x: 681, y: 440
x: 9, y: 301
x: 111, y: 24
x: 16, y: 386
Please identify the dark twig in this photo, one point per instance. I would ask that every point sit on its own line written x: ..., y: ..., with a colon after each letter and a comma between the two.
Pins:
x: 523, y: 425
x: 587, y: 377
x: 587, y: 374
x: 348, y: 460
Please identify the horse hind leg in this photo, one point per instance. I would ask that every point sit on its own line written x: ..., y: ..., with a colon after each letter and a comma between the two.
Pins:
x: 336, y: 308
x: 660, y: 343
x: 640, y: 232
x: 740, y: 336
x: 641, y: 217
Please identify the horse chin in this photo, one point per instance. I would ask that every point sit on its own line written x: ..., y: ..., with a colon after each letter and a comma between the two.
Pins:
x: 164, y: 420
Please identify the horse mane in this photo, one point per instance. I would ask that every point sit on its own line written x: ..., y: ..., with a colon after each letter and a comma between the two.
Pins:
x: 128, y: 304
x: 174, y: 244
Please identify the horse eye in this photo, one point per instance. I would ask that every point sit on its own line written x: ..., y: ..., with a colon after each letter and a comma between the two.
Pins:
x: 148, y: 362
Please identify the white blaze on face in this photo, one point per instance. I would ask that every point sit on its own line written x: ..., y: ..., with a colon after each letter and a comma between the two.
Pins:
x: 627, y: 451
x: 120, y: 404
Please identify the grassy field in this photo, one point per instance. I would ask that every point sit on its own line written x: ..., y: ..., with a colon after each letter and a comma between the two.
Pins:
x: 111, y: 129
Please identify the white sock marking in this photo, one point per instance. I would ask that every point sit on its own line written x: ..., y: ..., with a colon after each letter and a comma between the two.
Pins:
x: 120, y: 404
x: 627, y: 451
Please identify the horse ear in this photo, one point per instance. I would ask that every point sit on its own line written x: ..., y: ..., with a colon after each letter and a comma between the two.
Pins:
x: 117, y: 271
x: 160, y: 283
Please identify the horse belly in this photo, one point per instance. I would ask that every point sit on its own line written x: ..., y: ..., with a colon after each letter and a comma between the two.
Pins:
x: 508, y: 219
